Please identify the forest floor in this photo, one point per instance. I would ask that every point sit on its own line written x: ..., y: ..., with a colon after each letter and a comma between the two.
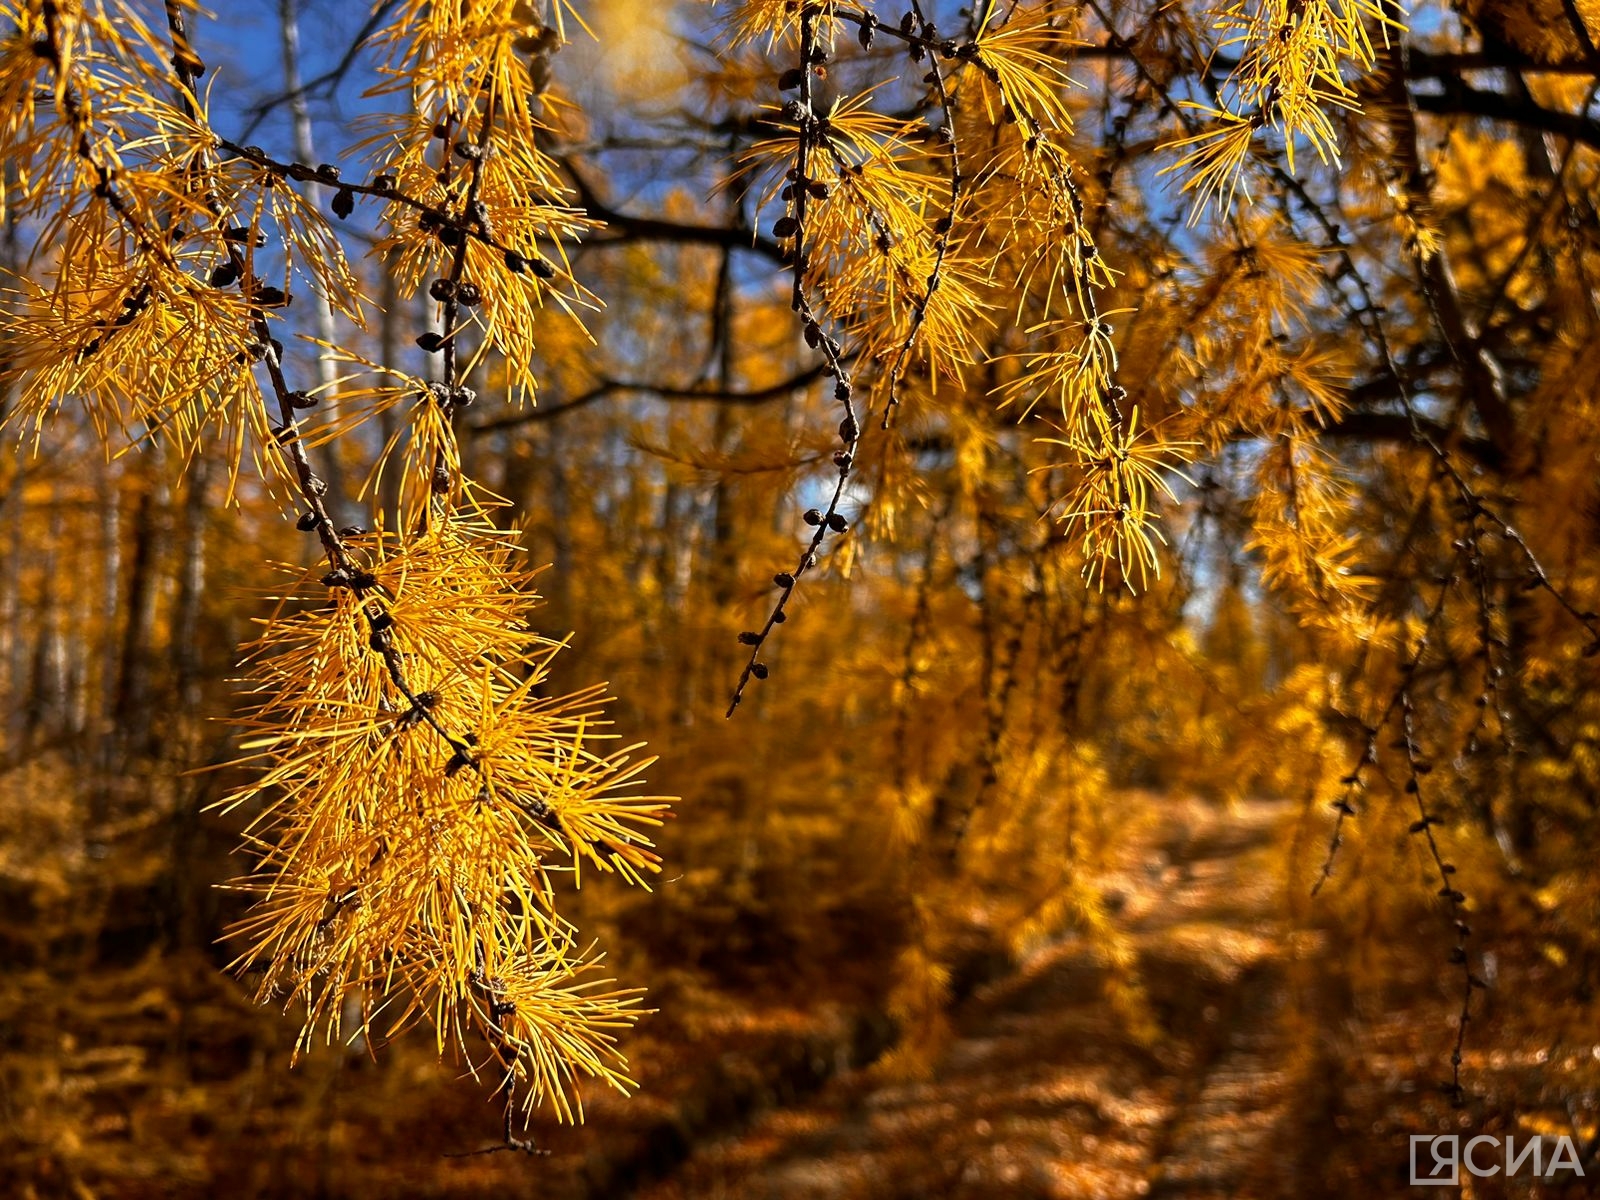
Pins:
x: 1262, y: 1071
x: 1043, y: 1091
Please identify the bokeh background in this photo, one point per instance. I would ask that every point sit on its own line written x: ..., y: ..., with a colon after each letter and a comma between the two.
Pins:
x: 1117, y: 981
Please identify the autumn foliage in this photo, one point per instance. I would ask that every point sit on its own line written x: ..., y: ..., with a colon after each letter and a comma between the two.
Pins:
x: 952, y: 430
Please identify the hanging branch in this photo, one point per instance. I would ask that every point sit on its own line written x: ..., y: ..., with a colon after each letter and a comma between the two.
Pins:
x: 811, y: 136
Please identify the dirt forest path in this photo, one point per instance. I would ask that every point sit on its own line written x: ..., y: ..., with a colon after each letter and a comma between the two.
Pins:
x: 1043, y: 1093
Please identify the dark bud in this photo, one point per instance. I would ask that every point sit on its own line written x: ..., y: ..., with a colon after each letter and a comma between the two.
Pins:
x: 783, y: 579
x: 917, y: 52
x: 431, y: 342
x: 867, y: 32
x: 270, y: 297
x: 451, y: 235
x: 336, y: 578
x: 813, y: 335
x: 363, y: 580
x: 842, y: 459
x: 352, y: 531
x: 779, y: 617
x: 837, y: 523
x: 759, y: 670
x: 818, y: 189
x: 441, y: 481
x: 849, y: 430
x: 239, y: 235
x: 458, y: 762
x: 812, y: 516
x: 747, y: 638
x: 942, y: 225
x: 463, y: 397
x: 426, y: 699
x: 307, y: 522
x: 441, y: 130
x: 301, y: 400
x: 468, y: 294
x: 785, y: 227
x: 841, y: 391
x: 791, y: 79
x: 908, y: 23
x: 515, y: 263
x: 224, y: 275
x: 468, y: 151
x: 379, y: 619
x: 441, y: 290
x: 285, y: 434
x: 383, y: 183
x: 381, y: 640
x: 328, y: 173
x: 344, y: 203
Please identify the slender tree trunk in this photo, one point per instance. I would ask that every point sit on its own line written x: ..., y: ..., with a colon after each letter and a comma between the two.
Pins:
x: 338, y: 499
x: 186, y: 649
x: 13, y: 646
x: 110, y: 597
x: 389, y: 423
x: 130, y: 709
x: 47, y: 688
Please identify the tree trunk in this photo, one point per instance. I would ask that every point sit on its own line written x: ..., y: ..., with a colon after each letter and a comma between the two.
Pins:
x: 338, y: 499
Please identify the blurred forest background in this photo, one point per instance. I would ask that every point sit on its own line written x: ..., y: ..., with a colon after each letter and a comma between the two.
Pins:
x: 1002, y: 883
